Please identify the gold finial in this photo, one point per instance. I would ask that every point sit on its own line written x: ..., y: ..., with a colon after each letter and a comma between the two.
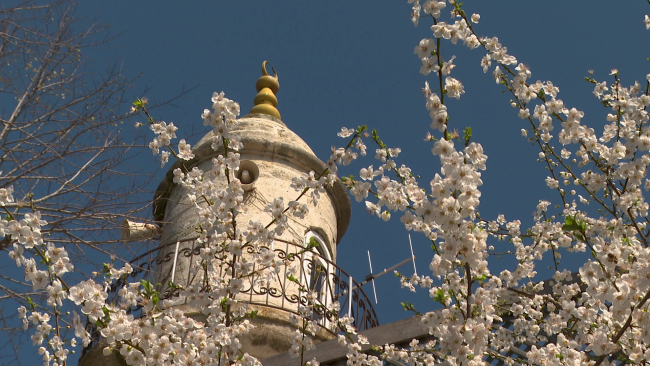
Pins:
x: 265, y: 101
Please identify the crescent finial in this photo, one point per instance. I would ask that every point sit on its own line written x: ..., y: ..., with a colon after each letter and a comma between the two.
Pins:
x: 266, y: 73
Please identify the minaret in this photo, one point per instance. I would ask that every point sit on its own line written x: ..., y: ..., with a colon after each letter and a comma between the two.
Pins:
x: 272, y: 155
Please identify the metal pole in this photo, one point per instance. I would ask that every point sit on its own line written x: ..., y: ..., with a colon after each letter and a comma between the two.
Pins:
x: 350, y: 299
x: 175, y: 257
x: 370, y: 277
x: 415, y: 270
x: 373, y: 281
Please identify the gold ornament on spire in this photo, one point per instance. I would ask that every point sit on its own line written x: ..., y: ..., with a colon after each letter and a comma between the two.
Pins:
x: 267, y: 86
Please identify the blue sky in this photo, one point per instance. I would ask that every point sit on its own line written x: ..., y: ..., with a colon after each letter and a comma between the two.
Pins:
x: 352, y: 63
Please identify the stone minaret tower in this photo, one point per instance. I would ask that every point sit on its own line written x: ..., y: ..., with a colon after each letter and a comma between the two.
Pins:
x: 272, y: 155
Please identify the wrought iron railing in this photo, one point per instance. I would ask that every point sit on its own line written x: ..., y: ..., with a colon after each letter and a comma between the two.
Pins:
x: 301, y: 269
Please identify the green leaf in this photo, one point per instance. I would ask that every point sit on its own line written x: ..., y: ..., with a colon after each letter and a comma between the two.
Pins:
x: 440, y: 296
x: 408, y: 306
x: 467, y: 135
x: 569, y: 223
x: 576, y: 227
x: 313, y: 243
x: 148, y: 288
x: 31, y: 303
x: 293, y: 279
x: 375, y: 136
x: 107, y: 313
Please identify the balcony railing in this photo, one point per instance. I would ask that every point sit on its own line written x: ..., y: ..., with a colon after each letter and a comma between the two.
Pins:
x: 178, y: 263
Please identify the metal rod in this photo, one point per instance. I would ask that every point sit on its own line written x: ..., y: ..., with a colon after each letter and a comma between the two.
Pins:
x: 370, y: 277
x: 175, y: 257
x: 415, y: 270
x: 373, y: 281
x: 350, y: 299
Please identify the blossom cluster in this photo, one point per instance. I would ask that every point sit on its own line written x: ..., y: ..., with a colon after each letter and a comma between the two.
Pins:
x: 44, y: 271
x: 604, y: 306
x: 221, y: 119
